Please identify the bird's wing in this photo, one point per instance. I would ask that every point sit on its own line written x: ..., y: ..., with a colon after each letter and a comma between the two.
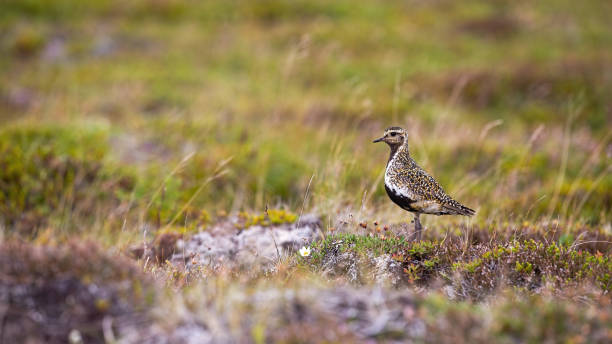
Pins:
x: 425, y: 188
x: 422, y: 185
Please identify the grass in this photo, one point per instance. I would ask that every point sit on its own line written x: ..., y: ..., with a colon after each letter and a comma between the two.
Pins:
x: 133, y: 127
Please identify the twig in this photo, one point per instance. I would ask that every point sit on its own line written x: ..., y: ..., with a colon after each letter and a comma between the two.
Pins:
x: 304, y: 202
x: 272, y: 234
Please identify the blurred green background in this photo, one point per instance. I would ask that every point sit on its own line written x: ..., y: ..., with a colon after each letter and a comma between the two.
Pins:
x: 163, y: 110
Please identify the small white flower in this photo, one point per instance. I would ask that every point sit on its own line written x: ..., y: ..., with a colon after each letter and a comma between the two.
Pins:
x: 74, y: 337
x: 304, y: 251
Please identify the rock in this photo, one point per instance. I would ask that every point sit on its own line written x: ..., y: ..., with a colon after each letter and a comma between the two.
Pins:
x: 336, y: 263
x: 387, y: 270
x: 192, y: 333
x: 357, y: 314
x: 344, y: 264
x: 251, y: 246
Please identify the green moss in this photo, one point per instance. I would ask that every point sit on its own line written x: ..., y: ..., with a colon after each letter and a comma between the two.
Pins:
x: 179, y: 230
x: 48, y: 171
x: 468, y: 266
x: 280, y: 216
x: 269, y: 218
x: 523, y: 267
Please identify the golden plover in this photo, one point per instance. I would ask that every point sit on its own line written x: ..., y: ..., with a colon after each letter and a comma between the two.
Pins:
x: 410, y: 187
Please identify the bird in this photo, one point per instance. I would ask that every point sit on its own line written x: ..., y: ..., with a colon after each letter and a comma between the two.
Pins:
x: 411, y: 187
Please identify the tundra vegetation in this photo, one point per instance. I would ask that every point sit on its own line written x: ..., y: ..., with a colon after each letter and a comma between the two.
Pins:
x: 162, y: 162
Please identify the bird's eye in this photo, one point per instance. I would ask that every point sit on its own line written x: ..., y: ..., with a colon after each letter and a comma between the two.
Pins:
x: 393, y: 134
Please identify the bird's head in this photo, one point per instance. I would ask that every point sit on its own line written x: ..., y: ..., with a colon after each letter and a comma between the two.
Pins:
x: 394, y: 136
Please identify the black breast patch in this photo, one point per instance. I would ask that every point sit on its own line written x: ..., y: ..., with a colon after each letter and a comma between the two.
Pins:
x: 402, y: 201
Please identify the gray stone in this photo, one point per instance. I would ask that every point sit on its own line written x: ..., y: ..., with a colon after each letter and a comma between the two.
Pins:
x: 254, y: 245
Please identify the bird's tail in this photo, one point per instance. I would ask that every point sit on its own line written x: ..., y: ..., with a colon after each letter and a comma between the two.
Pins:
x: 467, y: 211
x: 457, y: 208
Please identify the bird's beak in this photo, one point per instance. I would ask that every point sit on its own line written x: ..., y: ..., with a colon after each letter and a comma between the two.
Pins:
x: 378, y: 140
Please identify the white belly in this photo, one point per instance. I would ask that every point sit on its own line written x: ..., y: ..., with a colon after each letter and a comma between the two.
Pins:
x: 401, y: 191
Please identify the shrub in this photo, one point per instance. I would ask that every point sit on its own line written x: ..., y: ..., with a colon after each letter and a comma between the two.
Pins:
x: 47, y: 171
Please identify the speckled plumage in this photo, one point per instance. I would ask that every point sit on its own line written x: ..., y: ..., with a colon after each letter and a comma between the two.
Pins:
x: 410, y: 187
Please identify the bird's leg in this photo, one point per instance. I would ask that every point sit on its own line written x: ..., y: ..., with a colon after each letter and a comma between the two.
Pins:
x: 417, y: 227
